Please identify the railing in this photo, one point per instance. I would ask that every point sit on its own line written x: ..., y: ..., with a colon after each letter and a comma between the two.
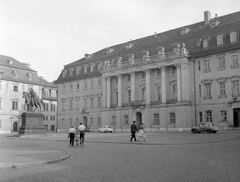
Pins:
x: 157, y: 102
x: 171, y: 101
x: 147, y: 60
x: 113, y: 105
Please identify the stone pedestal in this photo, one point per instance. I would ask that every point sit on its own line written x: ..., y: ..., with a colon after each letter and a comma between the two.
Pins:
x: 32, y: 123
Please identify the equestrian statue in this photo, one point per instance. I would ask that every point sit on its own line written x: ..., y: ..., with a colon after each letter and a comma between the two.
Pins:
x: 32, y: 101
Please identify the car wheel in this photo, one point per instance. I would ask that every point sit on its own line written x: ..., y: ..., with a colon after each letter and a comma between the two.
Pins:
x: 99, y: 131
x: 214, y: 131
x: 110, y: 131
x: 194, y: 131
x: 208, y: 131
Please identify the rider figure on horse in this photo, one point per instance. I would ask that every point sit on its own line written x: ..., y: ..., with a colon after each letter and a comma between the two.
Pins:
x: 32, y: 95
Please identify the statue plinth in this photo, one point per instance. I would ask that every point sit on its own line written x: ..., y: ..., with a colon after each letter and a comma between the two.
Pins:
x: 32, y: 123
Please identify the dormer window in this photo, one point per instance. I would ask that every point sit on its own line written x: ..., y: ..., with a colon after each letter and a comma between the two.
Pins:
x: 64, y: 73
x: 15, y: 74
x: 87, y: 56
x: 15, y: 88
x: 91, y: 67
x: 185, y: 31
x: 233, y: 37
x: 29, y: 76
x: 10, y: 61
x: 205, y: 43
x: 214, y: 22
x: 129, y: 45
x: 109, y: 50
x: 220, y: 39
x: 85, y: 69
x: 78, y: 69
x: 71, y: 71
x: 99, y: 66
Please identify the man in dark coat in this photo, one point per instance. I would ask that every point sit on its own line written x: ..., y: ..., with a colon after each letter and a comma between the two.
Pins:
x: 133, y: 131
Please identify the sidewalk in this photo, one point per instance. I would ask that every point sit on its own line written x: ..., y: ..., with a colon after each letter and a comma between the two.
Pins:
x: 10, y: 158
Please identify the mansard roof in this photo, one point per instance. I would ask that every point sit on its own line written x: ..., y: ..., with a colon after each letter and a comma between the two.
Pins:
x: 9, y: 65
x: 196, y: 33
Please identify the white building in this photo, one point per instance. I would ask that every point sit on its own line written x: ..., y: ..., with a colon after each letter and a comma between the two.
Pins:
x: 170, y: 81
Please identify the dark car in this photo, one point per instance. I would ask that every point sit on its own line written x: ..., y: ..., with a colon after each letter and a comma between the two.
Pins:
x: 204, y: 127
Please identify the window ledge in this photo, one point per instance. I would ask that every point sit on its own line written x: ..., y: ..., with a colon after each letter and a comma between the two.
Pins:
x: 208, y: 98
x: 206, y: 70
x: 234, y: 66
x: 221, y: 68
x: 222, y: 96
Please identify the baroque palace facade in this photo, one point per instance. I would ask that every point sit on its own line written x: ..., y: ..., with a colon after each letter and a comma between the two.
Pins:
x: 16, y: 78
x: 169, y: 81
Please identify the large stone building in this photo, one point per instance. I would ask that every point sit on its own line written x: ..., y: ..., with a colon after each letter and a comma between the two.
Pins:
x: 16, y: 78
x: 170, y: 81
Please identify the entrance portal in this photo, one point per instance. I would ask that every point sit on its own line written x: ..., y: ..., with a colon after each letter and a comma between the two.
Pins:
x: 85, y: 121
x: 138, y: 119
x: 236, y: 117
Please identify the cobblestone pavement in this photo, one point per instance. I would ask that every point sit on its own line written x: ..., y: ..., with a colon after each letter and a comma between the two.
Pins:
x: 164, y: 157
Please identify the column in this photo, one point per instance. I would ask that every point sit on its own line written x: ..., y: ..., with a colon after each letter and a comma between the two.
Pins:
x: 148, y: 87
x: 185, y: 82
x: 108, y: 92
x: 179, y: 90
x: 163, y: 74
x: 104, y: 99
x: 119, y: 90
x: 133, y: 86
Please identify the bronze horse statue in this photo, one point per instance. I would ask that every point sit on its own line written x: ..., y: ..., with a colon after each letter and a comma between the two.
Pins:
x: 32, y: 100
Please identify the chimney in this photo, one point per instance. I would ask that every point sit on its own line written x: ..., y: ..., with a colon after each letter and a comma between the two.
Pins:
x: 207, y: 17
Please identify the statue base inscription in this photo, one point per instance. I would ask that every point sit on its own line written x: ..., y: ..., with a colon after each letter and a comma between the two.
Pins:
x: 32, y: 123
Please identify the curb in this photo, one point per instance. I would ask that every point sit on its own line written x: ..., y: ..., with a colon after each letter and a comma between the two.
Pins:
x: 19, y: 166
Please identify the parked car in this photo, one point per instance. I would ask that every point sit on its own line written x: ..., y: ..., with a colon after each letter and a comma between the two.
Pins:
x: 204, y: 127
x: 105, y: 129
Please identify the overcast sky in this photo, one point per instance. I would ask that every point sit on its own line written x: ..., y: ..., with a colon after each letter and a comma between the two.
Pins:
x: 49, y: 34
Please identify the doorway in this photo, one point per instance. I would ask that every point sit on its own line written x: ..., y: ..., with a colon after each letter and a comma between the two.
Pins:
x: 236, y: 117
x: 85, y: 121
x: 15, y: 126
x: 138, y: 119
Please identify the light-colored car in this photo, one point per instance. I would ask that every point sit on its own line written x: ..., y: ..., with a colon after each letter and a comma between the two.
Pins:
x: 204, y: 127
x: 105, y: 129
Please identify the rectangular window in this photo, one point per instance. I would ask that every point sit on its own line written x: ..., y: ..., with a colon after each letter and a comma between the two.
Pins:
x: 159, y: 91
x: 78, y: 86
x: 233, y: 37
x: 91, y: 68
x: 199, y: 66
x: 126, y: 119
x: 114, y: 120
x: 208, y: 116
x: 235, y: 87
x: 158, y: 73
x: 205, y: 43
x: 208, y: 90
x: 91, y: 100
x: 172, y: 117
x: 85, y: 69
x: 85, y: 103
x: 235, y: 60
x: 222, y: 88
x: 99, y: 121
x: 52, y: 127
x: 99, y: 102
x: 85, y: 85
x: 91, y: 121
x: 143, y: 75
x: 129, y: 96
x: 222, y: 62
x: 63, y: 105
x: 200, y: 117
x: 206, y: 64
x: 46, y: 118
x: 14, y: 105
x: 129, y: 78
x: 200, y: 91
x: 156, y: 119
x: 219, y: 39
x: 99, y: 82
x: 92, y: 85
x: 70, y: 105
x: 143, y: 93
x: 15, y: 88
x: 71, y: 87
x: 223, y: 116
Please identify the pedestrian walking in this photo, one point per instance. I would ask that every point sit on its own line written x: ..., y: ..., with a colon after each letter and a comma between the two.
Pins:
x: 71, y: 135
x: 133, y: 131
x: 81, y: 129
x: 142, y: 132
